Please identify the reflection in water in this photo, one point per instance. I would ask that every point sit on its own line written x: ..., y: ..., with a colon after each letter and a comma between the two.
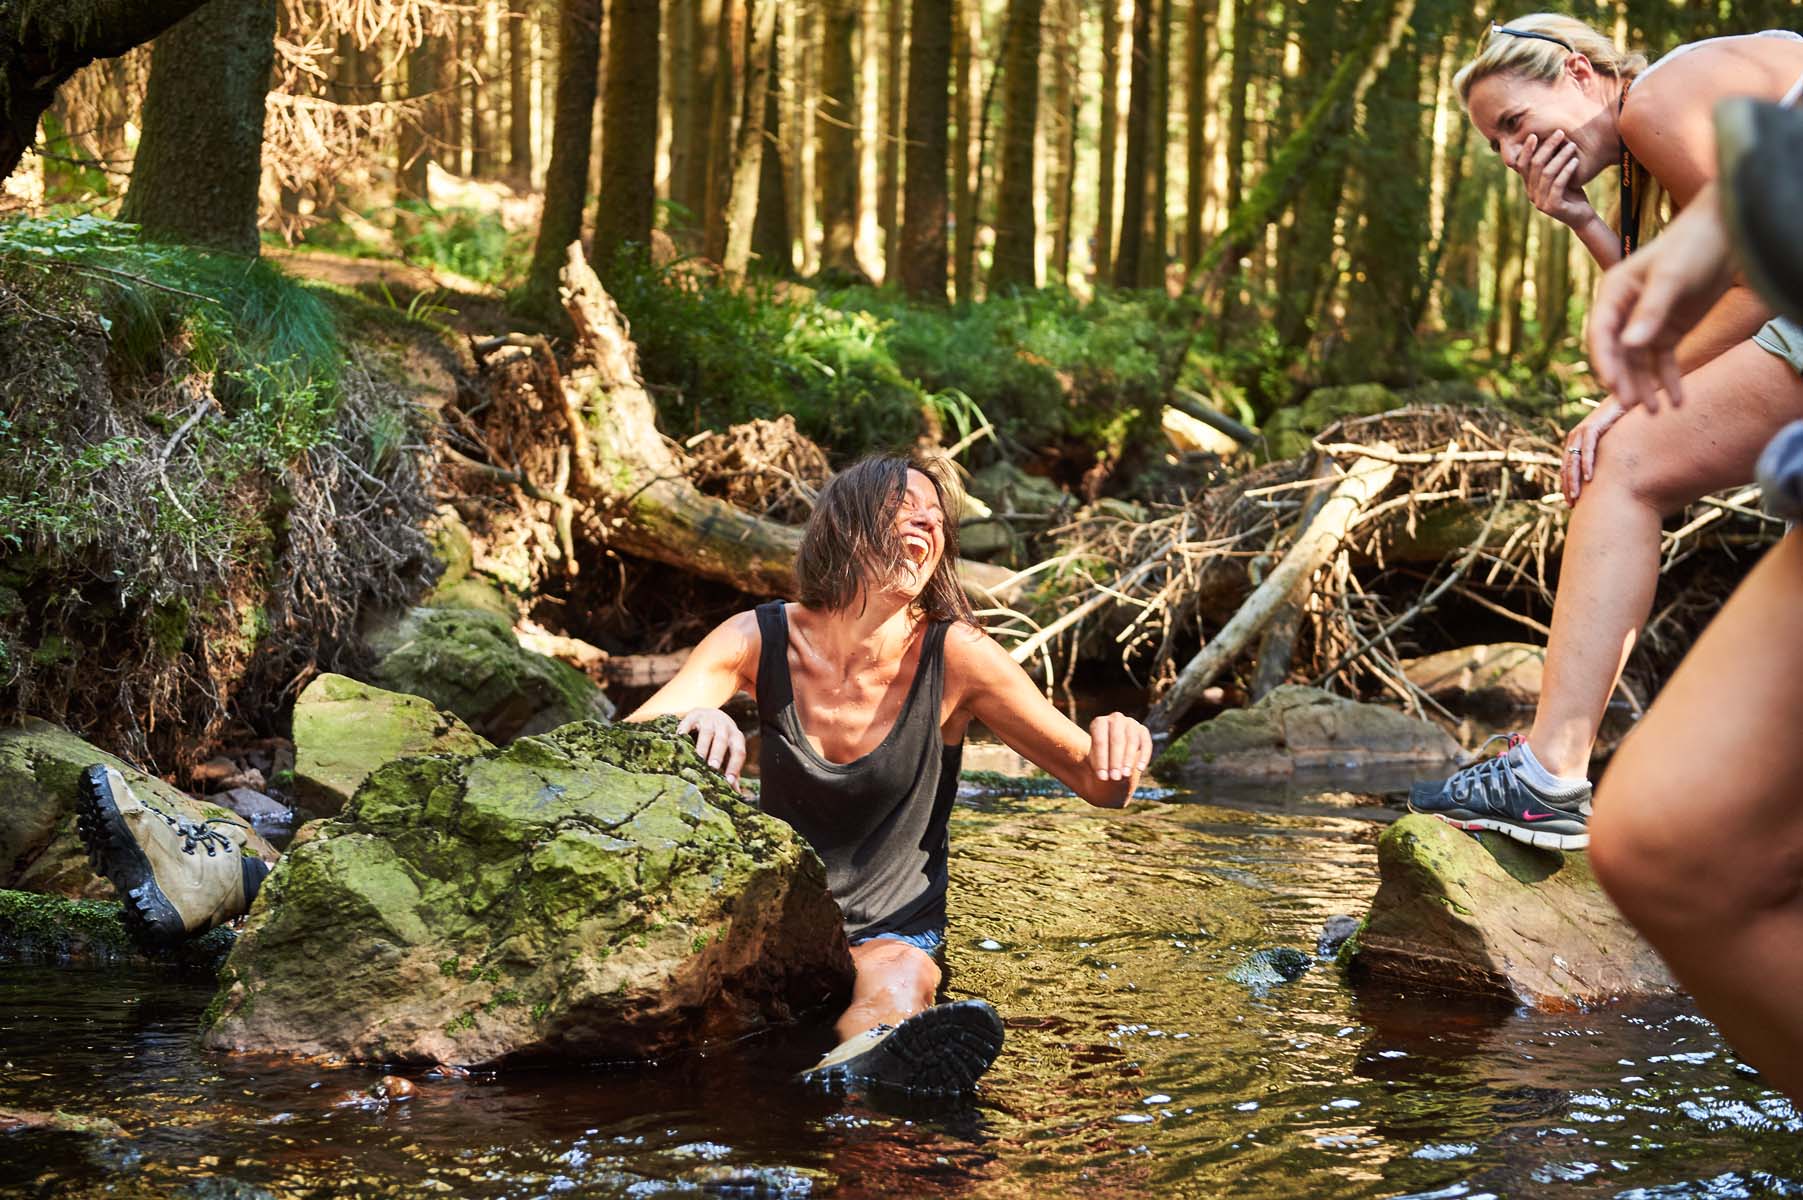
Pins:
x: 1135, y: 1065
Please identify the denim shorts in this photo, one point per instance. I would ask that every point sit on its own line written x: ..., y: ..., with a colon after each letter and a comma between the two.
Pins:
x: 932, y: 941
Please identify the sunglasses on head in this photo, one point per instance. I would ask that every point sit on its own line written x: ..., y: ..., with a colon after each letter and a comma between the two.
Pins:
x: 1529, y: 33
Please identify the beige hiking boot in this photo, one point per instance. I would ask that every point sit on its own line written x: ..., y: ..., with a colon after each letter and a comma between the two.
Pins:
x: 176, y: 876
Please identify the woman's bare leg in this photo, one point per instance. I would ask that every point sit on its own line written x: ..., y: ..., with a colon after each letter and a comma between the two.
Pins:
x: 894, y: 981
x: 1647, y: 467
x: 1698, y: 832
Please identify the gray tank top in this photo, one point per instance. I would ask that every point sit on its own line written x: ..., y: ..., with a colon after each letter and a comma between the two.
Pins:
x: 878, y: 823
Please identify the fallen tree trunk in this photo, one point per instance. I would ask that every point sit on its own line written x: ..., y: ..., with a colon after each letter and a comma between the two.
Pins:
x: 1317, y: 543
x: 650, y: 508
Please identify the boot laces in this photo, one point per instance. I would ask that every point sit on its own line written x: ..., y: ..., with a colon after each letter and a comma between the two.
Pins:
x: 1489, y: 780
x: 199, y: 834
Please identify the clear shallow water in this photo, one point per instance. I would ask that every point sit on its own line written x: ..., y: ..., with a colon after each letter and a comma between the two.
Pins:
x: 1135, y: 1065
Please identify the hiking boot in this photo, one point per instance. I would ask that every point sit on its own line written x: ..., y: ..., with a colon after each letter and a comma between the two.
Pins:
x: 1760, y: 147
x: 176, y: 876
x: 1494, y: 794
x: 941, y: 1050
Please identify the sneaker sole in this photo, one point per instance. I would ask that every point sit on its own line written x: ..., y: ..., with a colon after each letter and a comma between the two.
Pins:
x: 114, y: 854
x: 941, y: 1051
x: 1541, y: 839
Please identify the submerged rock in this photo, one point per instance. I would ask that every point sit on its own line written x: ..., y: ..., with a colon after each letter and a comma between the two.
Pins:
x: 13, y: 1120
x: 1502, y: 676
x: 1270, y: 967
x: 1301, y: 729
x: 1334, y: 934
x: 1492, y: 917
x: 39, y: 928
x: 592, y: 893
x: 468, y: 661
x: 40, y: 851
x: 344, y: 729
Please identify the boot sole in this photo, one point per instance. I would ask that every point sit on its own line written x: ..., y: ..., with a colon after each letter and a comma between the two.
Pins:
x: 941, y: 1051
x: 115, y: 855
x: 1541, y: 839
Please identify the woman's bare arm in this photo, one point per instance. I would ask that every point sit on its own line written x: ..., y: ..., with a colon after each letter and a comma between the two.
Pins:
x: 1102, y: 765
x: 724, y: 664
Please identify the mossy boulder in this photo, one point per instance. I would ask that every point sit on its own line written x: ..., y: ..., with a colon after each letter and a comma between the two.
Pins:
x: 344, y: 729
x: 1490, y: 917
x: 40, y: 851
x: 1289, y: 431
x: 469, y: 662
x: 40, y: 928
x: 1006, y: 488
x: 592, y: 893
x: 1496, y: 677
x: 1301, y: 730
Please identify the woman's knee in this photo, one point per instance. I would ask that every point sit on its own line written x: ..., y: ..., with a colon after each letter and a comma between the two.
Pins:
x: 1637, y: 460
x: 895, y: 969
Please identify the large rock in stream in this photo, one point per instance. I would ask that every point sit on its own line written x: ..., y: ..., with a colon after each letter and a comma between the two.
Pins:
x: 1491, y: 917
x: 592, y: 893
x: 40, y: 851
x: 1302, y: 730
x: 469, y: 661
x: 344, y: 729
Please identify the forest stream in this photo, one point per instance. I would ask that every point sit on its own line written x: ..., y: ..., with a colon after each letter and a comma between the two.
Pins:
x: 1136, y: 1063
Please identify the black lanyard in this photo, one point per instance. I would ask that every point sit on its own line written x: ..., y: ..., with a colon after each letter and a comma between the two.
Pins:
x: 1630, y: 211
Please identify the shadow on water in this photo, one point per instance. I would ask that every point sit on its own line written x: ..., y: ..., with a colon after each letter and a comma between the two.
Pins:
x: 1136, y: 1065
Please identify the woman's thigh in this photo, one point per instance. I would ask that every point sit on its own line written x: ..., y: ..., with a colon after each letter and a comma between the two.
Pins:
x: 1733, y: 404
x: 887, y: 965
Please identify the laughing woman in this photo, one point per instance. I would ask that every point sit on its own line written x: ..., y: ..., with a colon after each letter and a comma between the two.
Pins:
x: 864, y: 690
x: 1562, y: 104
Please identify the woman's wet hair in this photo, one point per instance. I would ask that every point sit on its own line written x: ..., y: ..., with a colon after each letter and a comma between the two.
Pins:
x: 851, y: 540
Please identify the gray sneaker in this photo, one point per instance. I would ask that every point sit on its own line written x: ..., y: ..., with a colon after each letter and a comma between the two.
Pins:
x: 941, y: 1050
x: 1492, y: 794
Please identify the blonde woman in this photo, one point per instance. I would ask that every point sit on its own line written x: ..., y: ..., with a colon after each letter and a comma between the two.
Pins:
x: 1562, y: 104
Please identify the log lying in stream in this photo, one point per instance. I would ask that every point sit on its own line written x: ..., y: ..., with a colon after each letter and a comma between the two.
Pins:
x: 650, y: 507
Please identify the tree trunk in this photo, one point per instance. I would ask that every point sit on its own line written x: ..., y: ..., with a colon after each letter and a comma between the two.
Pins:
x: 888, y: 197
x: 424, y: 128
x: 1306, y: 249
x: 838, y: 120
x: 967, y: 37
x: 519, y: 97
x: 1236, y: 103
x: 728, y: 108
x: 1194, y: 142
x: 200, y: 155
x: 628, y: 199
x: 42, y: 45
x: 1133, y: 185
x: 572, y: 135
x: 476, y: 94
x: 748, y: 153
x: 1151, y: 268
x: 1063, y: 126
x: 869, y: 110
x: 698, y: 104
x: 1016, y: 224
x: 771, y: 241
x: 922, y: 247
x: 807, y: 140
x: 1108, y: 139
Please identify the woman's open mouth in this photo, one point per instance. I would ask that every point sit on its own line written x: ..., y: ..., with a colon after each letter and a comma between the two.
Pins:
x: 916, y: 549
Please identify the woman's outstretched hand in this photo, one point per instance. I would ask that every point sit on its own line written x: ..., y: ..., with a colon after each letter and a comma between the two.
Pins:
x: 717, y: 739
x: 1549, y: 169
x: 1119, y: 748
x: 1580, y: 447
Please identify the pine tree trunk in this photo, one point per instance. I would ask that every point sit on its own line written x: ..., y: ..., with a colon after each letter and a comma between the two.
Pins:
x: 1016, y: 223
x: 424, y: 129
x: 888, y: 200
x: 838, y: 121
x: 1063, y: 127
x: 627, y: 203
x: 749, y: 149
x: 967, y: 37
x: 922, y: 246
x: 679, y: 36
x: 728, y: 108
x: 1236, y: 103
x: 519, y: 97
x: 1133, y: 187
x: 1194, y: 140
x: 1108, y: 138
x: 200, y: 155
x: 704, y: 44
x: 1151, y: 268
x: 1305, y: 250
x: 771, y: 242
x: 807, y: 139
x: 482, y: 134
x: 572, y: 136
